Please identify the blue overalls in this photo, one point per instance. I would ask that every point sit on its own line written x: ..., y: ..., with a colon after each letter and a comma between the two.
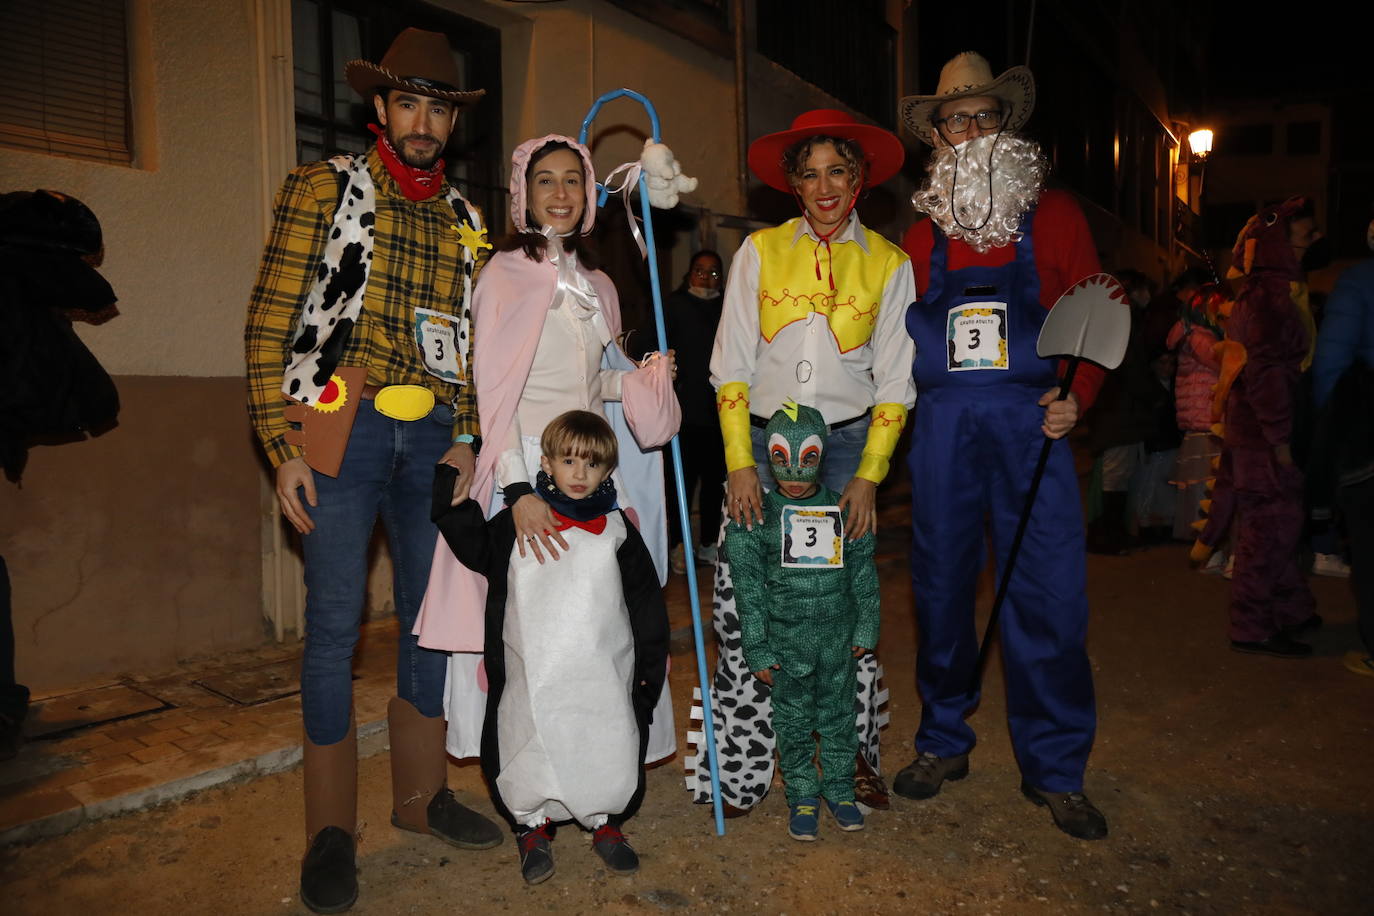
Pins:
x: 973, y: 450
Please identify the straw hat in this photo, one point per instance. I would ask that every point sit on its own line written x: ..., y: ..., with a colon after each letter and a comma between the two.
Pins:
x: 417, y: 61
x: 965, y: 76
x: 881, y: 148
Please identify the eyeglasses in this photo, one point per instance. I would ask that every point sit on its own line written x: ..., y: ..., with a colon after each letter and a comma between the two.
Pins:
x: 702, y: 272
x: 958, y: 123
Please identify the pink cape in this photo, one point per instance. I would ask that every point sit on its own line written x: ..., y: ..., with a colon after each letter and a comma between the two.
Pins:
x: 508, y: 310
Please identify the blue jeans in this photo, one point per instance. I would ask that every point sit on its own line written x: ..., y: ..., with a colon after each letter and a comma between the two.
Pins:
x: 844, y: 447
x: 388, y: 470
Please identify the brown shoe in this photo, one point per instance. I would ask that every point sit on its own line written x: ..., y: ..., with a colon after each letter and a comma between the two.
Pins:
x: 1072, y: 811
x: 922, y: 777
x: 869, y: 789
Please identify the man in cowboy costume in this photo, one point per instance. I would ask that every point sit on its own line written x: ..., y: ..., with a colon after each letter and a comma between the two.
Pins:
x: 994, y: 256
x: 357, y: 350
x: 813, y: 312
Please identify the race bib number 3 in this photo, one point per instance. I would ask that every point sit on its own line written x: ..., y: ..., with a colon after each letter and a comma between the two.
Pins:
x: 977, y: 336
x: 812, y: 537
x: 436, y: 336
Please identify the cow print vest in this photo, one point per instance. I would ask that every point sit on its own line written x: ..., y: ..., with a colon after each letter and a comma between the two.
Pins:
x: 331, y: 307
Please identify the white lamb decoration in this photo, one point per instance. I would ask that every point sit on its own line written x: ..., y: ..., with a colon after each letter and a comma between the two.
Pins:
x: 664, y: 175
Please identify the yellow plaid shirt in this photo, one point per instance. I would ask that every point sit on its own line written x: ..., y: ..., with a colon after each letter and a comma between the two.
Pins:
x: 417, y: 263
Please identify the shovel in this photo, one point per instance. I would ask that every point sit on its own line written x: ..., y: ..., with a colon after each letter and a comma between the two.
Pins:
x: 1091, y: 321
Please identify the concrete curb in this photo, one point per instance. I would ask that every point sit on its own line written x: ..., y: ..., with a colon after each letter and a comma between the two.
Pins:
x: 372, y: 739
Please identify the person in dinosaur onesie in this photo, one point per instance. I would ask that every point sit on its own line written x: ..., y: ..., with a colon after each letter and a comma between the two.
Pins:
x: 809, y: 609
x: 1268, y: 340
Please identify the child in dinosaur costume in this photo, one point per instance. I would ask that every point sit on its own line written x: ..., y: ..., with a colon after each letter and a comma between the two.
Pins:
x: 808, y: 606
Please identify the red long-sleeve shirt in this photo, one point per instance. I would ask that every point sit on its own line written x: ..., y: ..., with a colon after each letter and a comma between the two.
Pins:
x: 1064, y: 254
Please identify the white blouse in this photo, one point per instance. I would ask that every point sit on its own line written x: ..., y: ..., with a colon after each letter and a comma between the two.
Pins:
x: 566, y: 373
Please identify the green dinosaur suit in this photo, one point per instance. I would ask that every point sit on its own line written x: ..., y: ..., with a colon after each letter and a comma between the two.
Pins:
x: 805, y: 598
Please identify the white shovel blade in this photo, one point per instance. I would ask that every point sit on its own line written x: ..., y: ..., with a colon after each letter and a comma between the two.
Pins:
x: 1092, y: 320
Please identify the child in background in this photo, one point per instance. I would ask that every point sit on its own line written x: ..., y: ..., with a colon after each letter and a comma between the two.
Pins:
x: 576, y: 650
x: 808, y: 607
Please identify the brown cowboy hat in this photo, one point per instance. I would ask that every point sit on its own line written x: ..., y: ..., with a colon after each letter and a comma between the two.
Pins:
x: 881, y: 148
x: 965, y: 76
x: 417, y: 61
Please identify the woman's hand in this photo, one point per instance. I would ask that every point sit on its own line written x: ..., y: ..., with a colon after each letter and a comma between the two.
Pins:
x: 744, y: 497
x: 535, y: 527
x: 861, y: 499
x: 766, y: 675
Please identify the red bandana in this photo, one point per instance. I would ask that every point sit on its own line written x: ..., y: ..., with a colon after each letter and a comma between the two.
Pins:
x: 415, y: 184
x: 595, y: 526
x: 825, y: 239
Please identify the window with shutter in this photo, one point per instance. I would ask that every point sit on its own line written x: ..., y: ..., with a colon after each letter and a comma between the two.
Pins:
x: 65, y: 68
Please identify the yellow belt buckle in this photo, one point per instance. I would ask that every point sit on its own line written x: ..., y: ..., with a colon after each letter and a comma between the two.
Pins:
x: 404, y: 402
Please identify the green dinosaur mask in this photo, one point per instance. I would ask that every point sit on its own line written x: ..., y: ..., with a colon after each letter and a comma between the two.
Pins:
x: 796, y: 443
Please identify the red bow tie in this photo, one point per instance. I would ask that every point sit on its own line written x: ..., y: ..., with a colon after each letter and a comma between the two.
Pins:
x: 595, y: 526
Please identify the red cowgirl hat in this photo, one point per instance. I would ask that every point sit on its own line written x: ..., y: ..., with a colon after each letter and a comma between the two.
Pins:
x: 882, y: 149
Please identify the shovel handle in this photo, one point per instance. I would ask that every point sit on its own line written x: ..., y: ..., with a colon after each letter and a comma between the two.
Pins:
x: 976, y: 681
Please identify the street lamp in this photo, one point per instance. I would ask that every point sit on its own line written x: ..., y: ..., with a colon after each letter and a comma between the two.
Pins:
x: 1200, y: 142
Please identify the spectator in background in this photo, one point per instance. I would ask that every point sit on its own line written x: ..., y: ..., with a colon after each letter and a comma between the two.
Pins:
x: 51, y: 386
x: 691, y: 315
x: 1194, y: 337
x: 1121, y: 420
x: 1344, y: 393
x: 1163, y: 310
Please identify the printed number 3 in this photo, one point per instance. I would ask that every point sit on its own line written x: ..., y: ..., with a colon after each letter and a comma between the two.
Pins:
x: 810, y: 537
x: 975, y: 333
x: 438, y: 349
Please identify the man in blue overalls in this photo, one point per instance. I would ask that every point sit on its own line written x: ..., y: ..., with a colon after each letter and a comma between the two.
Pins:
x: 995, y: 254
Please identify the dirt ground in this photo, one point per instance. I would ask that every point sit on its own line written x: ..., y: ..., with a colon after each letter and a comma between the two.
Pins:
x: 1232, y: 783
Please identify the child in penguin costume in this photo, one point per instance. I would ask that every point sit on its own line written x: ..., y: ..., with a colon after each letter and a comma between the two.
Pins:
x: 576, y: 650
x: 809, y: 609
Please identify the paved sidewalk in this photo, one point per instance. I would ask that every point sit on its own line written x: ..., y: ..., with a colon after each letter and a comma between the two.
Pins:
x: 201, y: 738
x: 197, y: 739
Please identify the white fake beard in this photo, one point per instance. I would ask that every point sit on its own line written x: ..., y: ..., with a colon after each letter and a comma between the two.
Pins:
x: 1018, y: 174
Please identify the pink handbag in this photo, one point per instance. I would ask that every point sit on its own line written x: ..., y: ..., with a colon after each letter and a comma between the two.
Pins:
x: 650, y: 404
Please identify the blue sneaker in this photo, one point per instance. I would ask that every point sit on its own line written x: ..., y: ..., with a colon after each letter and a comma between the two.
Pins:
x: 847, y: 814
x: 802, y: 821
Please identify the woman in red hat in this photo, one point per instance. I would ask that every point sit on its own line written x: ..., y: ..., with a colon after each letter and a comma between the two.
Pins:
x: 813, y: 312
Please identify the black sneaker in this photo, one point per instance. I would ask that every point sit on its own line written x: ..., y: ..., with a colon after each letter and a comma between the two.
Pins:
x: 329, y: 875
x: 1311, y: 623
x: 536, y: 854
x: 616, y: 851
x: 923, y: 776
x: 1280, y: 645
x: 459, y: 825
x: 1072, y: 811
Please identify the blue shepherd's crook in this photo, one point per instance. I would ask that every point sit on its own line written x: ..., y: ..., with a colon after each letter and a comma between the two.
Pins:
x: 707, y: 723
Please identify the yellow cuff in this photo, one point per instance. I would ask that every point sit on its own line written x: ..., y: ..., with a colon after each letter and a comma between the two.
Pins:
x: 883, y: 433
x: 732, y: 405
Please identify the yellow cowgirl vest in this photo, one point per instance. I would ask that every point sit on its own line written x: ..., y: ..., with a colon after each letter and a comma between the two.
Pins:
x: 790, y: 290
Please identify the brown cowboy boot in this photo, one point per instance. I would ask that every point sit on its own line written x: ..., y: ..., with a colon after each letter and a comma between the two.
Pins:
x: 421, y: 800
x: 329, y: 874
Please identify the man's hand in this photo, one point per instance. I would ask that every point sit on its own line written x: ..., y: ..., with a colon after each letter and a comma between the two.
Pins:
x: 1060, y: 416
x: 461, y: 456
x: 766, y: 675
x: 536, y: 526
x: 860, y: 651
x: 744, y: 497
x: 292, y: 475
x: 861, y: 499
